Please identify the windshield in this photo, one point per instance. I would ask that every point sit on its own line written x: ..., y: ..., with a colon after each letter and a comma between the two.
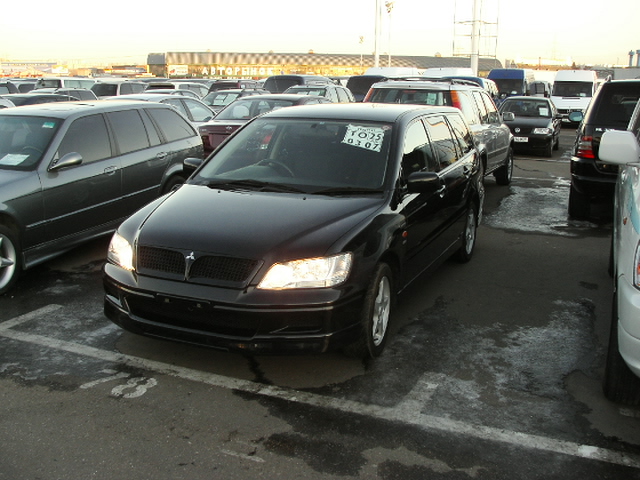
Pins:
x: 527, y: 108
x: 247, y: 109
x: 572, y: 89
x: 328, y: 156
x: 23, y: 140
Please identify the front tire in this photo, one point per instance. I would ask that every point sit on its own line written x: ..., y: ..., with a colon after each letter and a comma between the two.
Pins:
x: 619, y: 385
x: 504, y: 173
x: 375, y: 316
x: 10, y: 264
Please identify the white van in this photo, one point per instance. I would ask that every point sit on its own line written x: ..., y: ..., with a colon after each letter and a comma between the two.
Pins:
x: 394, y: 72
x: 572, y: 91
x: 64, y: 82
x: 439, y: 72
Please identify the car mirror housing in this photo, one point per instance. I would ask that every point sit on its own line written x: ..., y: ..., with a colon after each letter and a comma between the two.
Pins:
x: 192, y: 163
x: 508, y: 117
x: 619, y: 147
x: 68, y: 160
x: 576, y: 117
x: 424, y: 182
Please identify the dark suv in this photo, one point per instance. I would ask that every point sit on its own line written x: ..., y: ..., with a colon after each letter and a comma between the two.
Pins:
x: 490, y: 133
x: 70, y: 172
x: 610, y: 109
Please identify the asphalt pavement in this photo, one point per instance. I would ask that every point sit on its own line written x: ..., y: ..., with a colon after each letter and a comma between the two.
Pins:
x: 493, y: 371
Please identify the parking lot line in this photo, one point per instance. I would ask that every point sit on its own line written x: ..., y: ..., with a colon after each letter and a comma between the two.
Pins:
x: 409, y: 416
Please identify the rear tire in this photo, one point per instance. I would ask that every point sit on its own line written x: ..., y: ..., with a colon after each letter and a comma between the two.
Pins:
x: 504, y: 173
x: 375, y: 316
x: 579, y: 204
x: 464, y: 254
x: 10, y: 263
x: 172, y: 183
x: 620, y: 384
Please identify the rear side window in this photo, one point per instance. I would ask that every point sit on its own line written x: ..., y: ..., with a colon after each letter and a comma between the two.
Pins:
x: 129, y: 130
x: 87, y: 136
x: 462, y: 133
x: 468, y: 107
x: 417, y: 153
x: 442, y: 141
x: 173, y: 126
x: 615, y: 105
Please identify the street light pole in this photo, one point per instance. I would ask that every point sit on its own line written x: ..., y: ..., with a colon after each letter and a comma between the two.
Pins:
x: 376, y: 41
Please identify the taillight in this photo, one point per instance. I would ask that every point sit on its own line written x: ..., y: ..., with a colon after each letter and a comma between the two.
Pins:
x: 455, y: 99
x: 585, y: 147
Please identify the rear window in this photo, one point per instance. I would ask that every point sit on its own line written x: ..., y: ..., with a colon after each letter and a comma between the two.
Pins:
x: 104, y: 89
x: 614, y: 105
x: 410, y: 95
x: 279, y: 85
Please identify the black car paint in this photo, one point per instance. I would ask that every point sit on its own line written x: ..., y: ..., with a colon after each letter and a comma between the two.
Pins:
x: 412, y: 228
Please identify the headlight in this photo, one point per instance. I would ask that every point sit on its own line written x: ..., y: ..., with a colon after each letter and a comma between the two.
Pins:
x: 542, y: 131
x: 308, y: 273
x: 120, y: 252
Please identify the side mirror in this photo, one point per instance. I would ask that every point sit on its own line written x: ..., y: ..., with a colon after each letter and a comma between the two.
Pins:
x: 576, y: 117
x: 424, y: 182
x: 619, y: 147
x: 508, y: 116
x: 192, y: 164
x: 69, y: 160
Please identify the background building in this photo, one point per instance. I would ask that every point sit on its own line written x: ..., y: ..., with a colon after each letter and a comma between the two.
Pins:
x: 259, y: 65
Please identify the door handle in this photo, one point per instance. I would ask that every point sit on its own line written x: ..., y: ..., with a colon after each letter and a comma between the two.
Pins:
x: 110, y: 170
x: 161, y: 155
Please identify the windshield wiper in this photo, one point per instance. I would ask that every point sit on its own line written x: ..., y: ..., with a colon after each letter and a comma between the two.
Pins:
x: 249, y: 184
x: 347, y: 191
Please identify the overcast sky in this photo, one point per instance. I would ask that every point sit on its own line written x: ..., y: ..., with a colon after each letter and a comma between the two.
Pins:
x: 122, y: 31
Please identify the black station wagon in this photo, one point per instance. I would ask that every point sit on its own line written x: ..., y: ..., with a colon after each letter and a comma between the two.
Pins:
x: 70, y: 172
x: 299, y: 231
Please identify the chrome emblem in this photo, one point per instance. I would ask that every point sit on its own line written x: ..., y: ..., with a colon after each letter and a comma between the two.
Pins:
x: 517, y: 130
x: 189, y: 259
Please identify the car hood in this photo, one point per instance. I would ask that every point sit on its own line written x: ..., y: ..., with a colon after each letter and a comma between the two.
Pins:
x: 256, y: 225
x: 529, y: 122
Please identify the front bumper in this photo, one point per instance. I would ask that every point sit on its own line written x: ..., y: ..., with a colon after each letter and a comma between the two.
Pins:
x: 295, y: 322
x: 629, y: 324
x: 531, y: 141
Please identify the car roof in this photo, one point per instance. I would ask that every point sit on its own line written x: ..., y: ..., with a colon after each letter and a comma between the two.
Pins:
x: 154, y: 97
x: 435, y: 84
x: 375, y: 112
x: 77, y: 108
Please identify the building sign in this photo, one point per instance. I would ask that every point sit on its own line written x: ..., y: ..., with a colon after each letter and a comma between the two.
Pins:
x: 238, y: 70
x: 178, y: 70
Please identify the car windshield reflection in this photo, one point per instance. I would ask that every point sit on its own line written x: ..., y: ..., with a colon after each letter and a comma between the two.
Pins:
x: 329, y: 157
x: 527, y: 108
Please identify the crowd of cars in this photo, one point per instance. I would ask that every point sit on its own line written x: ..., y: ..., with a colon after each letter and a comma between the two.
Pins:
x: 316, y: 216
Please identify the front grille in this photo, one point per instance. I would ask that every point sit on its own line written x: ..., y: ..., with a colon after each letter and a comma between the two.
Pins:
x: 205, y: 269
x: 161, y: 260
x: 227, y: 269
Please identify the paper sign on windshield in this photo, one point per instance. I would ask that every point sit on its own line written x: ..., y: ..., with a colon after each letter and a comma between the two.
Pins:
x: 13, y: 159
x: 369, y: 138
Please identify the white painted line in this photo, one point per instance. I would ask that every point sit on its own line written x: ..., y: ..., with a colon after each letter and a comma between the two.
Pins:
x: 405, y: 415
x: 29, y: 316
